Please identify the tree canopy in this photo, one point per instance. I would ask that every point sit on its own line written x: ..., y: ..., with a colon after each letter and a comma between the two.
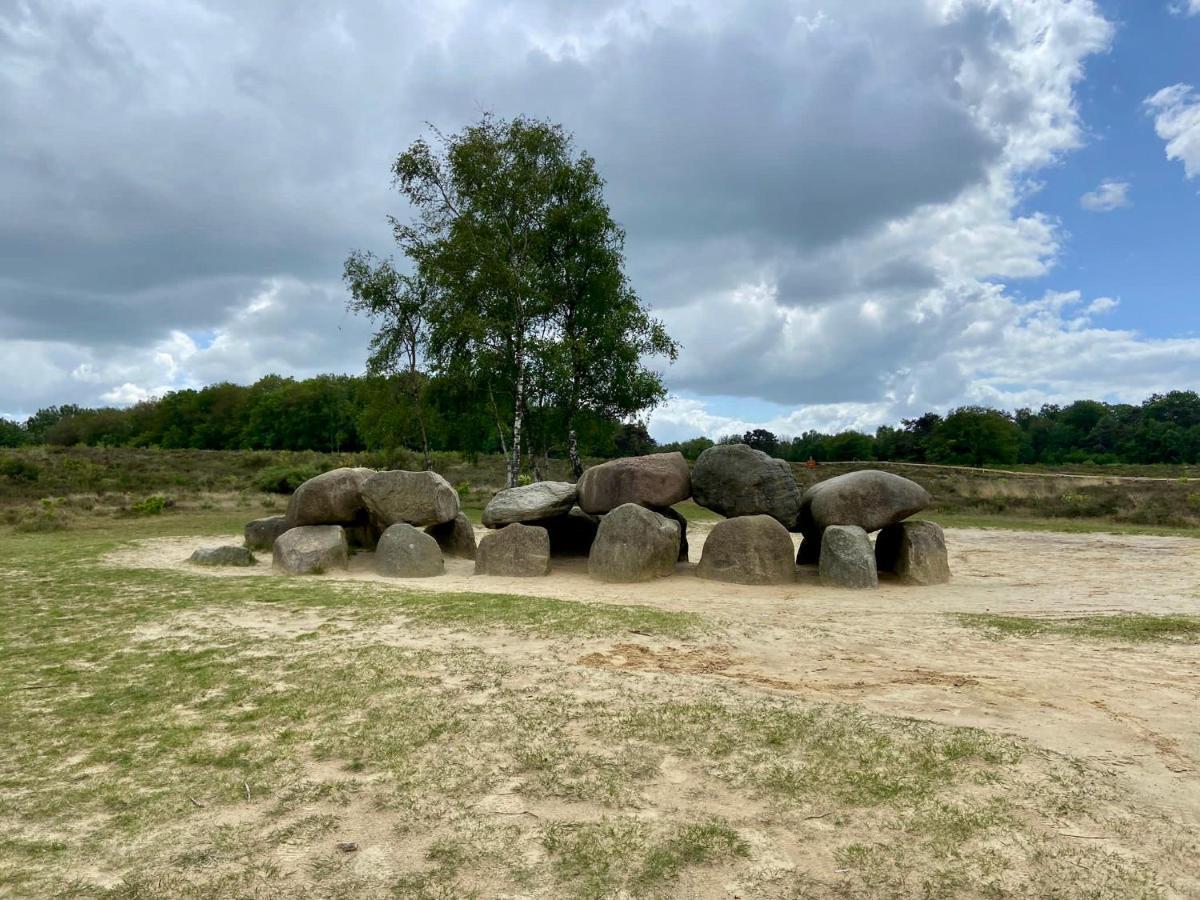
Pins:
x: 520, y: 269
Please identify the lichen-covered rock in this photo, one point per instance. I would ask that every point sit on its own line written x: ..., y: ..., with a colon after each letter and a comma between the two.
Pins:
x: 332, y: 498
x: 634, y: 544
x: 671, y: 513
x: 847, y: 559
x: 737, y: 480
x: 418, y: 498
x: 407, y: 552
x: 515, y: 550
x: 658, y: 480
x: 311, y: 549
x: 456, y: 537
x: 222, y: 556
x: 748, y: 550
x: 530, y: 502
x: 261, y: 533
x: 914, y: 551
x: 869, y: 499
x: 572, y: 534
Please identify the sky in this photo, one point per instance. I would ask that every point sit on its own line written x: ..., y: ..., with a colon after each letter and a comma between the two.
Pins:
x: 846, y: 212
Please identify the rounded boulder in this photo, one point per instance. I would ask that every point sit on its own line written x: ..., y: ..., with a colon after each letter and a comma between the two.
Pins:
x: 634, y: 544
x: 869, y: 499
x: 736, y: 480
x: 658, y: 480
x: 415, y: 498
x: 530, y: 502
x: 332, y: 498
x: 748, y: 550
x: 311, y: 549
x: 261, y: 533
x: 914, y: 551
x: 847, y: 559
x: 515, y: 551
x: 404, y: 551
x: 456, y: 537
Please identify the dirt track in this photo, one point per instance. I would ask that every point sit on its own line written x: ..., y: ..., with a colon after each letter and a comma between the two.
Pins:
x: 901, y: 650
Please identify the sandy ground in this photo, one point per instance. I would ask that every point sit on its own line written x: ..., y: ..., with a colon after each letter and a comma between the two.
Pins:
x: 901, y: 651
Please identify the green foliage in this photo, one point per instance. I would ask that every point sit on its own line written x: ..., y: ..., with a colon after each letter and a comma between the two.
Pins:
x: 519, y: 273
x: 19, y: 470
x: 150, y: 506
x: 284, y: 479
x: 974, y: 435
x: 12, y: 434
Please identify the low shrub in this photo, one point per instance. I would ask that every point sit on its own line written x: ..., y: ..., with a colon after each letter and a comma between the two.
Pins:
x: 284, y: 479
x: 20, y: 470
x: 151, y: 506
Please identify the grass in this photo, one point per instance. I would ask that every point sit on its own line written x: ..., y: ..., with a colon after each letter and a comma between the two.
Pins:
x: 162, y: 735
x: 1131, y: 628
x: 1061, y: 525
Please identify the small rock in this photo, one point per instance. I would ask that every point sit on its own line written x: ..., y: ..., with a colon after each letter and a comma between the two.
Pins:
x: 748, y: 550
x: 418, y: 498
x: 529, y: 502
x: 658, y: 480
x: 515, y: 550
x: 407, y: 552
x: 332, y: 498
x: 914, y: 551
x: 847, y: 560
x: 223, y: 556
x: 261, y: 533
x: 737, y: 480
x: 634, y: 544
x: 456, y: 537
x: 311, y: 550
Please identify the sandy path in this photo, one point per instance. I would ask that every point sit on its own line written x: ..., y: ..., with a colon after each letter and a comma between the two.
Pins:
x: 1130, y: 708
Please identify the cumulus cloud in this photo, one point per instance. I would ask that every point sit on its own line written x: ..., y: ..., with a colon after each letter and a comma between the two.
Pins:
x: 1109, y: 195
x: 826, y: 202
x: 1176, y: 111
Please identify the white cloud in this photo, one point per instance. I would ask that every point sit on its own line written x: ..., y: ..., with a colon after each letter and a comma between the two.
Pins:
x: 828, y: 203
x: 1107, y: 196
x: 1185, y: 7
x: 1176, y: 111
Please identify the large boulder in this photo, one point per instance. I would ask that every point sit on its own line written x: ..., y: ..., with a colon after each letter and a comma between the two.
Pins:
x: 261, y: 533
x: 847, y: 560
x: 515, y: 550
x: 311, y: 550
x: 530, y: 502
x: 407, y: 552
x: 736, y: 480
x: 572, y: 534
x: 456, y: 537
x: 869, y: 499
x: 671, y: 513
x: 914, y: 551
x: 222, y: 556
x: 748, y: 550
x: 418, y: 498
x: 634, y: 544
x: 332, y: 498
x: 658, y: 480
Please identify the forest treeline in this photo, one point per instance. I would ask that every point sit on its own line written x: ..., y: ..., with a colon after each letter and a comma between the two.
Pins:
x: 345, y: 413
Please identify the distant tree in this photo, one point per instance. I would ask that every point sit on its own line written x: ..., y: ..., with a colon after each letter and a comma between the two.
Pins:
x: 400, y: 304
x: 11, y: 434
x: 632, y: 439
x: 761, y: 439
x: 44, y: 419
x: 524, y: 269
x: 975, y: 435
x: 849, y: 445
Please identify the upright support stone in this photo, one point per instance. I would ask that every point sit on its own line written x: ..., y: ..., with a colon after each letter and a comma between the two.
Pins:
x: 914, y: 551
x: 847, y: 559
